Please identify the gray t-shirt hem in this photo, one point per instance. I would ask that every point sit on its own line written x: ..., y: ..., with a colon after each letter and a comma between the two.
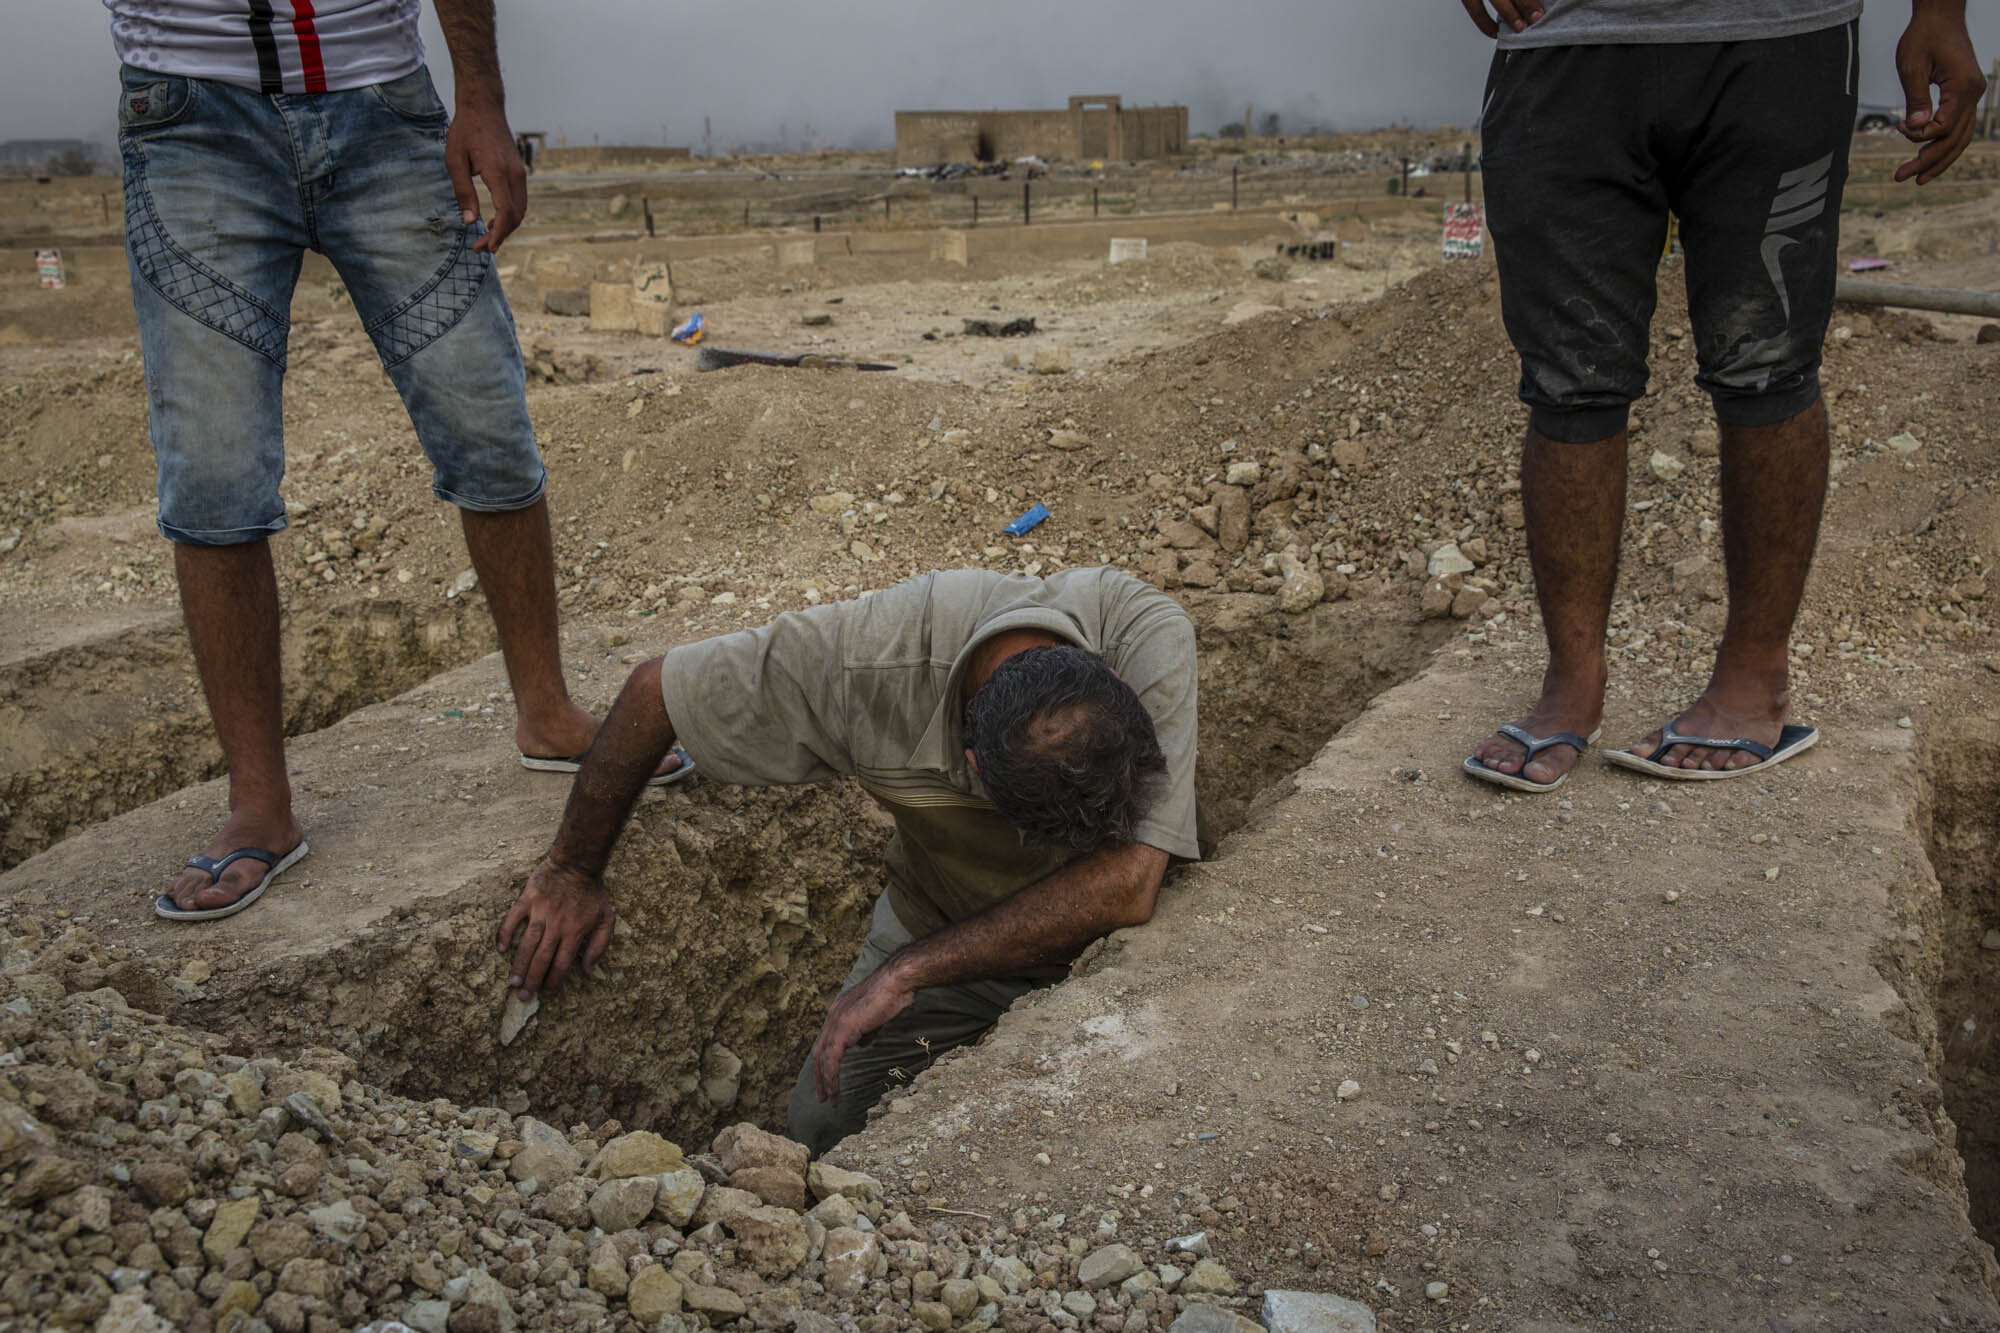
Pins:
x: 1749, y: 22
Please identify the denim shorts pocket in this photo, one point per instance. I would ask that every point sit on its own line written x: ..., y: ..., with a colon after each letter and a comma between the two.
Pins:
x: 414, y: 98
x: 148, y: 101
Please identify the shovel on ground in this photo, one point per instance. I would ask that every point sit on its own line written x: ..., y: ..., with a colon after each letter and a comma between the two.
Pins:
x: 721, y: 358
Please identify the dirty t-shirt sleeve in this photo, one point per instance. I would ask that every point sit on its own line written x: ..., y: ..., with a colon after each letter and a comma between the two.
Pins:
x: 1158, y: 662
x: 764, y: 707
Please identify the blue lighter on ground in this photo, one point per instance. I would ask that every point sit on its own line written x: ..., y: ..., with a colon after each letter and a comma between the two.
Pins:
x: 1026, y: 521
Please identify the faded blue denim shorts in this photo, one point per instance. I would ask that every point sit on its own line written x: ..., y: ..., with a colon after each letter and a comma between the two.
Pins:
x: 225, y: 191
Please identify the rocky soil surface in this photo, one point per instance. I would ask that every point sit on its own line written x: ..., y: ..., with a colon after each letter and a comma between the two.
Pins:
x: 1292, y: 473
x: 151, y: 1180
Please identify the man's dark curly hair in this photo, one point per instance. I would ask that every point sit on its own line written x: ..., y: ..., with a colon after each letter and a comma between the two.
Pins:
x: 1065, y: 749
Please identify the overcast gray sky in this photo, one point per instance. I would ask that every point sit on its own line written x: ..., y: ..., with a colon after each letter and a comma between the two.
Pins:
x: 621, y: 70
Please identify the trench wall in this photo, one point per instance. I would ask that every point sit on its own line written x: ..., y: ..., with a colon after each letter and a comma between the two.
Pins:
x: 94, y: 729
x: 740, y: 911
x: 1964, y: 840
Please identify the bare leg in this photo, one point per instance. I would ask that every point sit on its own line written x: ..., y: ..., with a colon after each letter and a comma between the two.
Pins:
x: 1574, y: 495
x: 515, y: 559
x: 1773, y: 491
x: 229, y: 595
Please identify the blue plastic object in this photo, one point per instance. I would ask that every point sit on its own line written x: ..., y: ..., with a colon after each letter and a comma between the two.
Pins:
x: 1026, y: 521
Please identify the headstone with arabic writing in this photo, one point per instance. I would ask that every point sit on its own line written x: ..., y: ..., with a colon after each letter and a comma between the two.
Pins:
x: 1464, y: 231
x: 48, y: 263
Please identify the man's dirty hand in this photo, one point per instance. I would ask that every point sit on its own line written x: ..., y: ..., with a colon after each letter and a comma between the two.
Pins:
x: 852, y: 1019
x: 1936, y: 52
x: 1516, y: 14
x: 559, y: 914
x: 480, y: 144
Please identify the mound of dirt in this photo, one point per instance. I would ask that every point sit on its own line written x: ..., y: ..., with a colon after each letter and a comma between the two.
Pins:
x: 151, y: 1180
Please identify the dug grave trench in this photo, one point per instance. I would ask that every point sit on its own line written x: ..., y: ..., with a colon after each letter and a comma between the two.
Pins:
x: 739, y: 909
x: 110, y: 717
x: 1964, y: 837
x: 1655, y: 1054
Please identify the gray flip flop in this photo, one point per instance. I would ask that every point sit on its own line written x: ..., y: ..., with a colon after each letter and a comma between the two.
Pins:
x: 1535, y: 744
x: 1791, y: 741
x: 558, y: 764
x: 165, y: 908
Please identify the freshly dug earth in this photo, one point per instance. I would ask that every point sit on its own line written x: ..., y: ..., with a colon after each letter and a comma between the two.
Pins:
x: 1301, y: 468
x: 288, y: 1195
x: 110, y: 716
x: 1653, y: 1055
x: 750, y: 904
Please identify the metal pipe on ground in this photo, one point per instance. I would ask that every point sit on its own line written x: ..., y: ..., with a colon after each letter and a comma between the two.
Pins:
x: 1943, y: 300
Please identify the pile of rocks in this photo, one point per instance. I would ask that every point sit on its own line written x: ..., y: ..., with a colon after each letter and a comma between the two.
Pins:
x: 151, y: 1180
x: 1373, y: 452
x: 553, y: 365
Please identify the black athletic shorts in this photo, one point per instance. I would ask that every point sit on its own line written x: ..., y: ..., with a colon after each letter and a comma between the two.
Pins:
x: 1585, y: 149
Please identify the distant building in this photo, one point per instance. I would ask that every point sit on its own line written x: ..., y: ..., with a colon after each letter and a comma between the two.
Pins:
x: 1093, y: 128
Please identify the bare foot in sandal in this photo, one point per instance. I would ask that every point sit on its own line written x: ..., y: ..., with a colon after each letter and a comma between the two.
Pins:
x: 195, y: 890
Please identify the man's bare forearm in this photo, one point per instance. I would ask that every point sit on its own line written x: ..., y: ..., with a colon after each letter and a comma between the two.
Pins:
x: 1041, y: 924
x: 475, y: 55
x: 629, y: 747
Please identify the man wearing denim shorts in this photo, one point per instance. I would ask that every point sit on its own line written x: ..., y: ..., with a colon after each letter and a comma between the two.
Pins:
x: 252, y: 131
x: 1601, y: 117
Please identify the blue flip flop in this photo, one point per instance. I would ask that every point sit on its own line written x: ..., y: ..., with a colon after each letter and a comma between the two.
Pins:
x: 535, y: 763
x: 213, y: 866
x: 1535, y: 744
x: 1791, y: 741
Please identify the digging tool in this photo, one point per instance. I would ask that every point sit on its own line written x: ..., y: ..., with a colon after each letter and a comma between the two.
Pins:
x: 721, y: 358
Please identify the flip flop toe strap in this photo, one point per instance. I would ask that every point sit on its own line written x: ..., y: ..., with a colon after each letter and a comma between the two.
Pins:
x: 1537, y: 744
x: 1670, y: 737
x: 214, y: 866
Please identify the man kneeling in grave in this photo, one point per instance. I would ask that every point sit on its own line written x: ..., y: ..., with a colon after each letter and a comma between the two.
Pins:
x: 1033, y: 739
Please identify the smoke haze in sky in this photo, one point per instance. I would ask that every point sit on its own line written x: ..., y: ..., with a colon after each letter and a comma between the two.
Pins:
x: 637, y: 71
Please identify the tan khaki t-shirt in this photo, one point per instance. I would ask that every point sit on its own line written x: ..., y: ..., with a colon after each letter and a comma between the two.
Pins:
x: 870, y: 689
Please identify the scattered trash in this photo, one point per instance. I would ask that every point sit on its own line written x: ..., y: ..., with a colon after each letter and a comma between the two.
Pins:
x: 690, y: 330
x: 1020, y: 327
x: 1026, y: 521
x: 1869, y: 265
x: 951, y: 171
x: 721, y: 358
x: 1464, y: 230
x: 48, y: 263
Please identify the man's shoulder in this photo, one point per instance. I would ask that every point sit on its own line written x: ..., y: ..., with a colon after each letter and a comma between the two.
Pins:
x: 1109, y: 585
x: 1127, y: 601
x: 956, y: 603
